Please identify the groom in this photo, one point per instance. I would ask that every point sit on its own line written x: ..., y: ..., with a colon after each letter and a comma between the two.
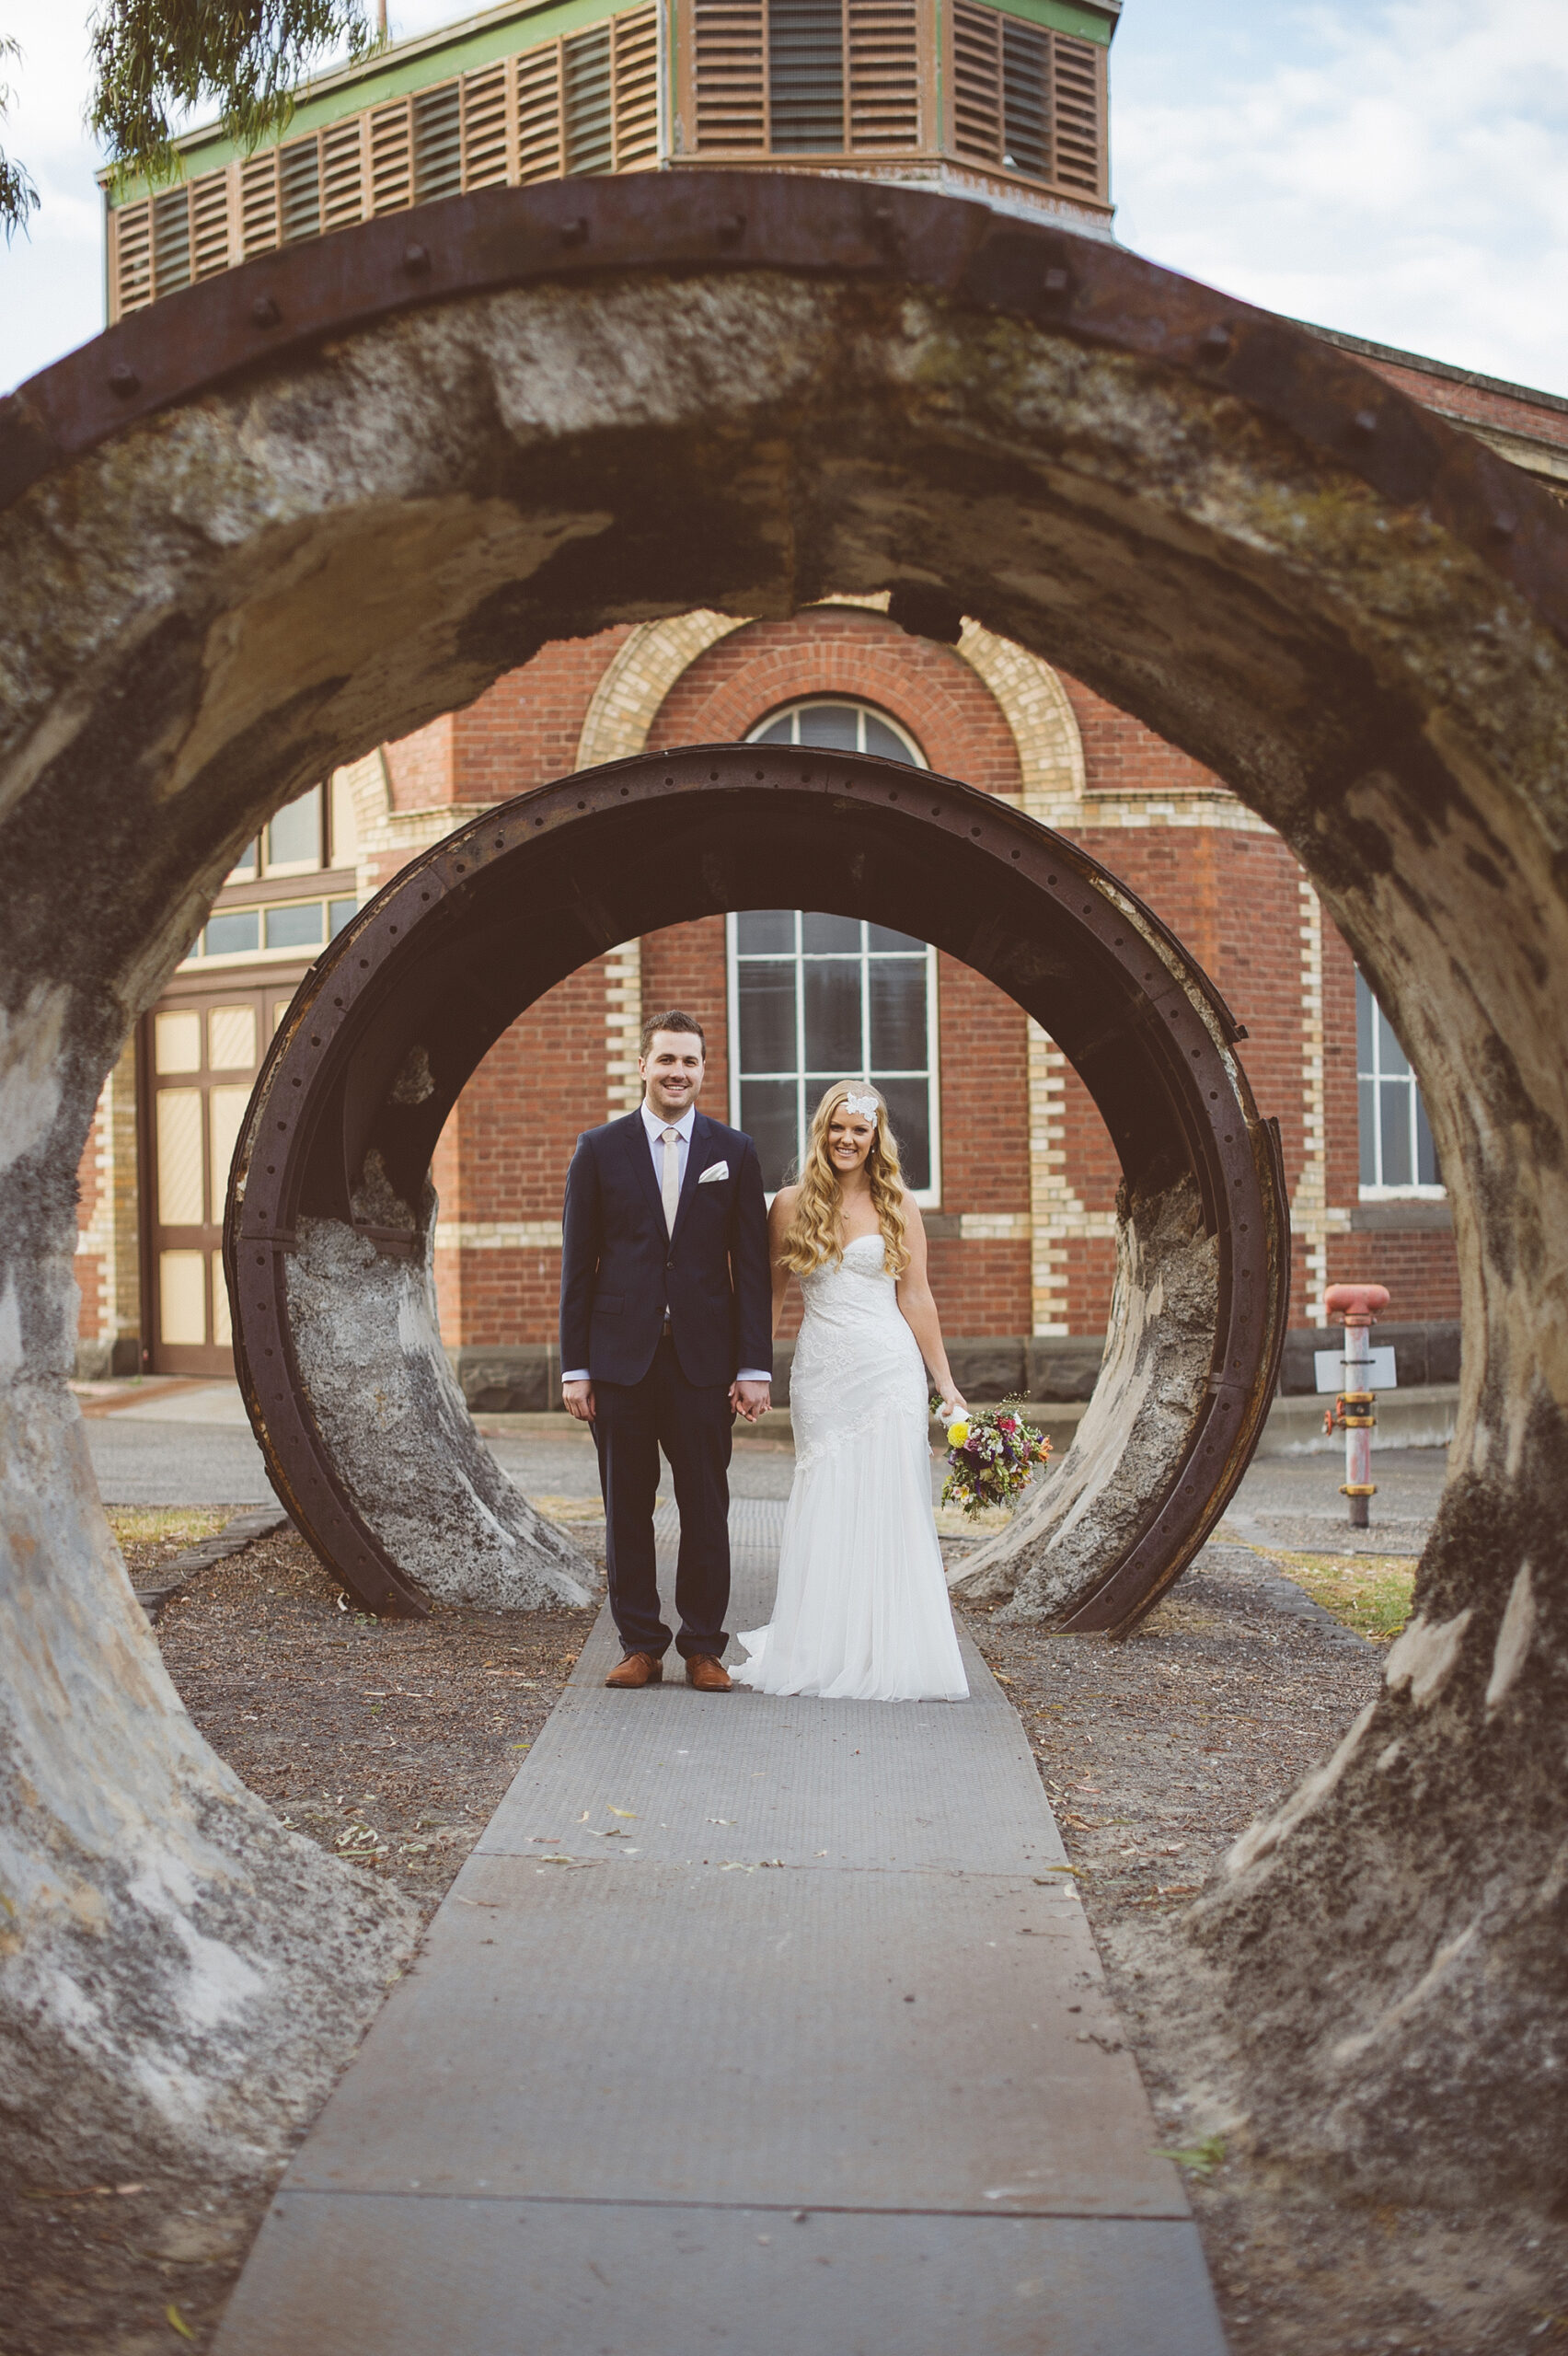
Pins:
x: 665, y: 1336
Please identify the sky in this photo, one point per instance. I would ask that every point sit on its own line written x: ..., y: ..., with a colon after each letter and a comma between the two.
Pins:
x: 1395, y: 168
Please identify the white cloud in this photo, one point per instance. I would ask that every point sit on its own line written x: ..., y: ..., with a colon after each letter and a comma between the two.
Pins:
x: 1397, y: 170
x: 52, y: 279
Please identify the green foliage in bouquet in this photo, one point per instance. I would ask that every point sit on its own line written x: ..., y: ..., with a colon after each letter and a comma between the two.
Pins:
x: 991, y: 1457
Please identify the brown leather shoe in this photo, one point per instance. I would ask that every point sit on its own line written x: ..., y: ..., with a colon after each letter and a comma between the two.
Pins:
x: 708, y: 1675
x: 637, y: 1668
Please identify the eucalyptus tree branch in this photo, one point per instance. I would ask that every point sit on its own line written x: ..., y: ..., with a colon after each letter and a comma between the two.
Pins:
x: 153, y: 60
x: 17, y: 195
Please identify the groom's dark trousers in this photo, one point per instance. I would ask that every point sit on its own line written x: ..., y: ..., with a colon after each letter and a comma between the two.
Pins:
x: 663, y: 1321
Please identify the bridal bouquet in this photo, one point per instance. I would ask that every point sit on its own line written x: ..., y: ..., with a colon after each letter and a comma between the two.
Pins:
x: 990, y: 1458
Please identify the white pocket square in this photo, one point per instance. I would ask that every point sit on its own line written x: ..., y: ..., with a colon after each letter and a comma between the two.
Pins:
x: 714, y: 1170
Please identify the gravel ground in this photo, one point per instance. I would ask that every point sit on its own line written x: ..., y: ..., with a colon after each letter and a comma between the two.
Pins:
x: 1156, y: 1753
x: 388, y: 1742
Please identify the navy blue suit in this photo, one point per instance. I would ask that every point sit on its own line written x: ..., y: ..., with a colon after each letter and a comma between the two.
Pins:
x: 656, y: 1386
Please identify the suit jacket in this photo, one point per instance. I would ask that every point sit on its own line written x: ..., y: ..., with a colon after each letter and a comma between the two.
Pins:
x: 619, y: 1269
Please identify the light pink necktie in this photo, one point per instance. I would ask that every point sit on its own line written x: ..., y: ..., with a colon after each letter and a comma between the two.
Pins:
x: 671, y: 1180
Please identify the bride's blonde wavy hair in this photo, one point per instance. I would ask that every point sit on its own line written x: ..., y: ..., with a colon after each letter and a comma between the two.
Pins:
x: 811, y: 1238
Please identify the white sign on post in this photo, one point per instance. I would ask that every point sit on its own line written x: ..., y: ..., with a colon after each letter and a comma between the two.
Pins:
x: 1380, y: 1375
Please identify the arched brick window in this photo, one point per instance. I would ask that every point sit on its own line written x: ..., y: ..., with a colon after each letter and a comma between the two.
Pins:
x: 816, y: 998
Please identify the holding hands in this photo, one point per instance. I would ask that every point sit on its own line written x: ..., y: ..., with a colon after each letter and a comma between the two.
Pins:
x: 750, y: 1400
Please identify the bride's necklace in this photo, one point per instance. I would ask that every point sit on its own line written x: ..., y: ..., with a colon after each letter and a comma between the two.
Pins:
x: 847, y: 1237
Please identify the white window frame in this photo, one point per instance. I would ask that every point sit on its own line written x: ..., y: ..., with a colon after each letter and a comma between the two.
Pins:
x: 1415, y: 1191
x: 316, y: 865
x: 854, y: 703
x: 300, y: 953
x: 930, y: 1196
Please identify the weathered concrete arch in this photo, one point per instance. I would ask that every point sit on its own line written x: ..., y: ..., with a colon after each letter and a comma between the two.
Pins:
x: 316, y: 501
x: 330, y: 1226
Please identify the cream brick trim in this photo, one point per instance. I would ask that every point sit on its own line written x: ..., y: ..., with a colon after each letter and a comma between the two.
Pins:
x: 995, y: 1227
x: 498, y: 1235
x: 112, y: 1235
x: 1059, y: 1217
x: 1034, y: 704
x: 1312, y: 1216
x: 1224, y: 813
x: 626, y: 701
x: 623, y: 1027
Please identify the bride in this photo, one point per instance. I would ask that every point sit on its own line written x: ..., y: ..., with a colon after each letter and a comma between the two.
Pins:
x: 861, y: 1612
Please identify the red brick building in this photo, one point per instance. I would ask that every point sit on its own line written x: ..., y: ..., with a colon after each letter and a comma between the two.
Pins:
x: 1009, y: 1157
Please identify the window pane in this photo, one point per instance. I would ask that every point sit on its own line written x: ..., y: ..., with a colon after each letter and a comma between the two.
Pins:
x: 1394, y: 1109
x: 295, y: 835
x: 766, y: 995
x: 782, y: 733
x: 298, y: 927
x: 1368, y: 1128
x: 238, y: 929
x: 1426, y: 1170
x: 177, y: 1042
x: 339, y: 912
x: 180, y: 1199
x: 832, y: 994
x: 898, y: 1014
x: 244, y: 867
x: 834, y: 726
x: 182, y: 1296
x: 838, y: 935
x: 760, y: 931
x: 231, y: 1038
x: 882, y: 936
x: 881, y: 740
x: 767, y: 1117
x: 908, y: 1110
x: 1391, y: 1054
x: 1364, y: 1006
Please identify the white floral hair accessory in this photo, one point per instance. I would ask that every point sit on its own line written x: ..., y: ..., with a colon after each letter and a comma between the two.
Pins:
x: 867, y: 1106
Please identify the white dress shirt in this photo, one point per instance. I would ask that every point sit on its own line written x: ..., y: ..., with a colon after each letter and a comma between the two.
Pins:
x: 653, y: 1128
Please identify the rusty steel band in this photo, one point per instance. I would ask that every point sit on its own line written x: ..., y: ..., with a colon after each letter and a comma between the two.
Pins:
x: 278, y: 305
x: 479, y: 926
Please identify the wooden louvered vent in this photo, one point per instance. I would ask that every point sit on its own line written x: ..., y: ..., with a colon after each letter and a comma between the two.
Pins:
x: 806, y: 77
x: 1027, y: 101
x: 585, y: 103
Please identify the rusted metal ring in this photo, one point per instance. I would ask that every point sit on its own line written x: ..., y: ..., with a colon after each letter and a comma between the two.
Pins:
x: 277, y: 307
x: 480, y: 925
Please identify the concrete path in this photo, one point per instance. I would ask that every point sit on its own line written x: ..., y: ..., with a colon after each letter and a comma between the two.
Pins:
x: 754, y: 2025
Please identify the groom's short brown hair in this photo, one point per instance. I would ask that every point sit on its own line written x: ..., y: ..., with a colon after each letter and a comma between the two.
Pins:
x: 673, y: 1021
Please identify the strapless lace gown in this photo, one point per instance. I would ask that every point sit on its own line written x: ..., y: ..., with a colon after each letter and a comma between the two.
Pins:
x: 861, y: 1612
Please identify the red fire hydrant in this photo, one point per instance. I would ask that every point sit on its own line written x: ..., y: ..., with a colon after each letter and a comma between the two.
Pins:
x: 1354, y: 1412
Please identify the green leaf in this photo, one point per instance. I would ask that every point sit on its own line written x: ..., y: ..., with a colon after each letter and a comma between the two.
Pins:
x: 1201, y: 2159
x: 179, y: 2322
x: 153, y: 60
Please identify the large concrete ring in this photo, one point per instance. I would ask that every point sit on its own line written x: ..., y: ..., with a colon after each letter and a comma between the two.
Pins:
x: 329, y: 1235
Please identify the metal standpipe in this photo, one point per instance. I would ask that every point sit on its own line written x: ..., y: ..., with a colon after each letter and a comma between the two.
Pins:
x: 1354, y: 1412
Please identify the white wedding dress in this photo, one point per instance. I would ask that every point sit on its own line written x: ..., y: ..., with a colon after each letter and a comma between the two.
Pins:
x: 861, y: 1612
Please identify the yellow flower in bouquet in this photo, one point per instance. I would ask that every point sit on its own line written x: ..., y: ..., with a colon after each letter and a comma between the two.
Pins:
x: 992, y: 1457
